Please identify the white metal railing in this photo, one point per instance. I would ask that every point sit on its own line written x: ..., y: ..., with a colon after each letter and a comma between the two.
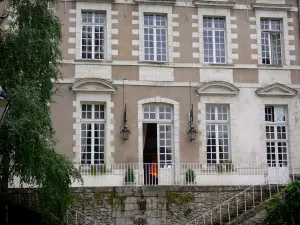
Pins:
x: 74, y: 217
x: 244, y: 201
x: 172, y: 174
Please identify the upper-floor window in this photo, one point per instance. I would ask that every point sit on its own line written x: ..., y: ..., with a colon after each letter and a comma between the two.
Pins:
x: 92, y: 134
x: 155, y: 37
x: 93, y: 35
x: 271, y: 41
x: 214, y: 31
x: 217, y: 133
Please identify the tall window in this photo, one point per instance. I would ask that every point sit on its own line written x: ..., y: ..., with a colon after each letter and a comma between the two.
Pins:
x: 214, y: 40
x: 217, y: 133
x: 93, y: 35
x: 276, y: 135
x: 271, y: 41
x: 155, y: 37
x: 92, y: 134
x: 163, y: 115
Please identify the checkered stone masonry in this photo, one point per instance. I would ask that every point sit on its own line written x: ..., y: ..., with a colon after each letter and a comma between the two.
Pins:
x: 195, y: 35
x: 292, y: 40
x: 72, y: 32
x: 135, y: 32
x: 114, y: 32
x: 234, y: 38
x: 176, y: 43
x: 253, y: 37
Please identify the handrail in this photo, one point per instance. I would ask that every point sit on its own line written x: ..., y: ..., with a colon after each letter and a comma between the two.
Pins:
x: 194, y: 221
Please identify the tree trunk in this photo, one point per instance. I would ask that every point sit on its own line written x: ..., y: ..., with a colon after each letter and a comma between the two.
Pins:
x: 4, y: 190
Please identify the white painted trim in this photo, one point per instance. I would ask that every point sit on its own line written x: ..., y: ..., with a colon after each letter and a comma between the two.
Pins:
x: 163, y: 9
x: 273, y: 14
x: 109, y: 135
x: 215, y: 12
x: 176, y: 126
x: 91, y: 6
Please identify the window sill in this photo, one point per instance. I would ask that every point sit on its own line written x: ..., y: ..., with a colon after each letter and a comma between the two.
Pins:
x: 100, y: 61
x: 154, y: 62
x: 217, y: 64
x: 270, y: 66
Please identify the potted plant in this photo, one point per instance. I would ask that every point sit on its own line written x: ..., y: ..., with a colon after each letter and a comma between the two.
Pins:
x: 129, y: 176
x: 190, y: 176
x: 225, y: 167
x: 96, y: 169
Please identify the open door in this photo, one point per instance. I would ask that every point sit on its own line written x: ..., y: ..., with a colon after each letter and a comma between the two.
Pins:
x: 150, y: 159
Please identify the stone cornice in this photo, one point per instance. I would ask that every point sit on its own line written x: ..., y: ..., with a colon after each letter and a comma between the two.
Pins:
x: 264, y: 6
x: 217, y: 88
x: 93, y: 85
x: 218, y: 4
x: 156, y: 2
x: 276, y: 90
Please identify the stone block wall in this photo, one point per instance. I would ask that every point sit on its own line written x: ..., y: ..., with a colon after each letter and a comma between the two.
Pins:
x: 165, y: 205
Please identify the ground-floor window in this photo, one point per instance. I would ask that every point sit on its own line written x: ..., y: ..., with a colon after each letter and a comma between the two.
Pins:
x: 92, y: 134
x: 217, y: 133
x: 276, y: 135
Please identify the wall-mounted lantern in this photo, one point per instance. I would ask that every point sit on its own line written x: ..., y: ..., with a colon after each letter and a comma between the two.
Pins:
x: 192, y: 130
x: 125, y: 130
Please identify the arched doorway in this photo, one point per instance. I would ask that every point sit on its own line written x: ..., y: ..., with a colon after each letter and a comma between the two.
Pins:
x: 158, y: 140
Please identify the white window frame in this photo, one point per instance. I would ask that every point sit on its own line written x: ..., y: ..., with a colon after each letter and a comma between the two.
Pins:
x: 155, y: 28
x: 216, y: 123
x: 214, y: 30
x: 93, y: 121
x: 270, y: 33
x: 280, y: 15
x: 93, y: 25
x: 92, y: 7
x: 156, y: 9
x: 163, y: 122
x: 275, y: 125
x: 157, y: 119
x: 215, y: 12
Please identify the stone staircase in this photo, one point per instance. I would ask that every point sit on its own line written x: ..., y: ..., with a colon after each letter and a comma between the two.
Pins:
x: 246, y: 208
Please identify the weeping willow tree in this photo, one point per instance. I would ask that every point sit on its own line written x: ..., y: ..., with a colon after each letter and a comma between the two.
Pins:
x: 29, y: 61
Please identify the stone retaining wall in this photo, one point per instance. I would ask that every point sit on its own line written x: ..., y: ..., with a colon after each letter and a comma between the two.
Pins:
x: 174, y: 205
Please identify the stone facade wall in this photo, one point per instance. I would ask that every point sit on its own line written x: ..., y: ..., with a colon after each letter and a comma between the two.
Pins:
x: 165, y: 205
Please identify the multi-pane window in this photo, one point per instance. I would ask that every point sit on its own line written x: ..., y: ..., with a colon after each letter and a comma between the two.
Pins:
x: 276, y: 135
x: 165, y: 144
x: 92, y: 134
x: 214, y: 40
x: 157, y: 112
x: 155, y: 38
x: 93, y: 35
x: 271, y: 41
x: 217, y: 133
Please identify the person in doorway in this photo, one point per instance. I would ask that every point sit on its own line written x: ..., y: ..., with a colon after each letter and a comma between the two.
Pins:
x: 154, y: 171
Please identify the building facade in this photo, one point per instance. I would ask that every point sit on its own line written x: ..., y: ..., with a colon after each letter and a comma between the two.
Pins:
x: 236, y: 62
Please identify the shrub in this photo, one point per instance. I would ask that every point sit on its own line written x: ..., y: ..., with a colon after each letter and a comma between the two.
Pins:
x: 190, y: 175
x: 129, y: 176
x: 225, y: 167
x: 95, y: 169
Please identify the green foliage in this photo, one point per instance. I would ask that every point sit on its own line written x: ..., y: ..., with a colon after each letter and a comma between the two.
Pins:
x: 129, y: 176
x: 284, y: 209
x: 115, y: 199
x: 190, y: 175
x: 225, y: 167
x: 96, y: 169
x: 30, y: 58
